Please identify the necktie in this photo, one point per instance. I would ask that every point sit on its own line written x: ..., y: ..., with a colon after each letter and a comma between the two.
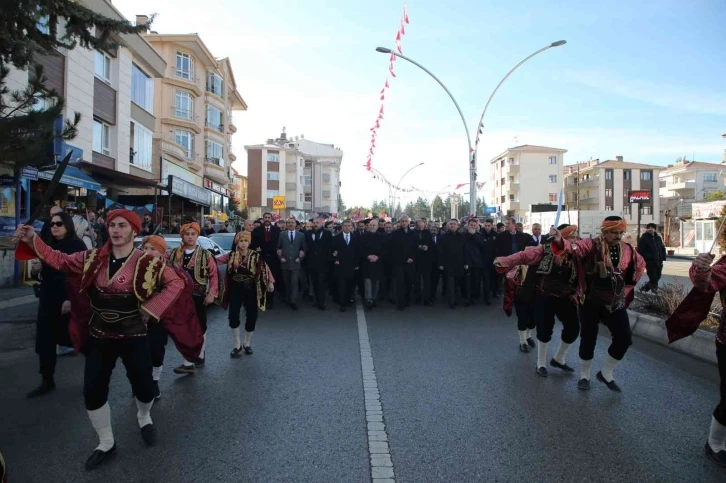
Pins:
x: 346, y: 239
x: 290, y: 237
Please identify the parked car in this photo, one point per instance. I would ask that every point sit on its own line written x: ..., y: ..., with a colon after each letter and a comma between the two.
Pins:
x: 224, y: 240
x: 173, y: 241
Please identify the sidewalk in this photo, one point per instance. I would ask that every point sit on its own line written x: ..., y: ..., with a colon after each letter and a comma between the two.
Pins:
x: 18, y: 311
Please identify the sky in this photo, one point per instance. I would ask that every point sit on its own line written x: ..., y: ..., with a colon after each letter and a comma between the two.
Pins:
x: 643, y: 80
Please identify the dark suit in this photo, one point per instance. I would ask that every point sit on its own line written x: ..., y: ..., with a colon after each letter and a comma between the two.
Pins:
x: 435, y: 272
x: 489, y: 273
x: 543, y: 239
x: 267, y: 243
x: 319, y: 245
x: 289, y: 268
x: 402, y: 247
x: 424, y: 259
x: 345, y: 263
x: 452, y: 257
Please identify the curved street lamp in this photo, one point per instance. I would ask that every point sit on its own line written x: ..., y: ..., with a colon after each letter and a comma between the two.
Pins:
x: 471, y: 150
x: 398, y: 185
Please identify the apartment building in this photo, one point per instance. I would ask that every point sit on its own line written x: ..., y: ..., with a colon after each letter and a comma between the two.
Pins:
x: 607, y: 185
x: 525, y: 175
x: 686, y: 182
x: 195, y: 99
x: 305, y: 172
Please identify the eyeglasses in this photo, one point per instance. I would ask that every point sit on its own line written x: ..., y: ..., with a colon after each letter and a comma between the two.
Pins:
x: 56, y: 224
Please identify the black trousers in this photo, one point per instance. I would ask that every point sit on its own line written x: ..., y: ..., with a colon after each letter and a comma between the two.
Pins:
x: 617, y: 322
x: 488, y: 280
x: 345, y: 286
x: 545, y: 310
x: 455, y: 286
x: 403, y: 278
x: 720, y: 412
x: 157, y: 341
x: 318, y: 279
x: 201, y: 311
x: 654, y: 271
x: 525, y: 314
x: 475, y: 276
x: 435, y: 277
x: 101, y: 360
x: 242, y: 295
x: 422, y: 282
x: 47, y: 365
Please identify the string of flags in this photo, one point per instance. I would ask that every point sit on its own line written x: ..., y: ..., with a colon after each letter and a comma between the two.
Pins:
x: 374, y: 130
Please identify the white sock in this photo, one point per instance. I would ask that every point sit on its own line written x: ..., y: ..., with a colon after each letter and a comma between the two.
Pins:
x: 156, y: 372
x: 143, y: 416
x: 186, y: 363
x: 522, y: 336
x: 101, y: 421
x: 608, y: 366
x: 717, y: 436
x: 561, y: 354
x: 529, y: 333
x: 235, y: 337
x: 542, y: 354
x: 585, y: 368
x: 204, y: 347
x: 248, y: 338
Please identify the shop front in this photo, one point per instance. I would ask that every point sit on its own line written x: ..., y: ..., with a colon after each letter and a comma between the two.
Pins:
x: 183, y: 193
x: 219, y: 208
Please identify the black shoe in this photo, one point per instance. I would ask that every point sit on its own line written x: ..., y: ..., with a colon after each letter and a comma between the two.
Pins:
x: 48, y: 385
x: 563, y: 367
x: 542, y: 372
x: 488, y: 302
x: 583, y: 384
x: 369, y: 304
x: 523, y: 347
x: 148, y: 434
x: 248, y: 350
x: 182, y: 369
x: 98, y: 457
x: 718, y: 457
x: 531, y: 343
x: 612, y: 385
x: 321, y: 306
x: 157, y: 393
x: 235, y: 353
x: 495, y: 296
x: 199, y: 362
x: 342, y: 308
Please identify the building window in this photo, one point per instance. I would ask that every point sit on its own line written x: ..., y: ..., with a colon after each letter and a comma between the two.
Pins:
x: 608, y: 174
x: 502, y: 164
x: 273, y: 157
x: 142, y: 89
x: 646, y: 175
x: 141, y: 145
x: 101, y: 135
x: 608, y: 192
x: 646, y: 210
x: 326, y: 177
x: 626, y: 195
x: 273, y: 175
x: 511, y: 197
x: 184, y: 66
x: 102, y: 68
x: 302, y: 165
x: 626, y: 209
x: 185, y: 139
x: 273, y: 193
x: 626, y: 174
x: 504, y: 198
x: 184, y: 105
x: 326, y: 195
x: 215, y: 119
x: 553, y: 197
x: 215, y: 153
x: 214, y: 84
x: 553, y: 178
x: 709, y: 177
x: 301, y: 197
x: 503, y: 181
x: 308, y: 197
x: 511, y: 160
x: 608, y: 208
x: 553, y: 159
x: 308, y: 180
x: 662, y: 183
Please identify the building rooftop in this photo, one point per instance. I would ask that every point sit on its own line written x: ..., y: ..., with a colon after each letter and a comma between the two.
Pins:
x: 609, y: 164
x: 528, y: 147
x: 691, y: 165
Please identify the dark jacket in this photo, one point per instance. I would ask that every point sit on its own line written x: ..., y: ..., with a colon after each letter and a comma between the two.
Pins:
x: 651, y: 248
x: 401, y: 247
x: 544, y: 239
x: 487, y: 251
x: 451, y: 254
x: 319, y: 250
x: 424, y: 238
x: 473, y: 247
x: 269, y: 248
x: 435, y: 242
x: 503, y: 243
x: 345, y: 256
x: 372, y: 244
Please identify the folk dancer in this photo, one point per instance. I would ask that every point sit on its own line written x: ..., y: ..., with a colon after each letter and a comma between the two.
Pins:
x: 202, y: 267
x: 182, y: 315
x: 612, y: 268
x: 556, y: 295
x: 707, y: 281
x: 127, y: 289
x: 247, y: 282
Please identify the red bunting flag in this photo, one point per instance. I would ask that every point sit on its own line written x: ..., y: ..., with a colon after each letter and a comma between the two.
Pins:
x: 471, y: 150
x: 390, y: 70
x: 381, y: 111
x: 393, y: 57
x: 405, y: 14
x: 383, y: 97
x: 387, y: 86
x: 460, y: 185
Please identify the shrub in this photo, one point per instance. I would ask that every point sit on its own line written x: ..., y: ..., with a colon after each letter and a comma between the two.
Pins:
x: 668, y: 297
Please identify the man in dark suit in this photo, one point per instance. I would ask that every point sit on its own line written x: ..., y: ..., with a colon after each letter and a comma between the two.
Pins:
x: 402, y: 251
x: 291, y: 248
x: 319, y: 243
x: 511, y: 241
x: 537, y: 235
x: 489, y: 274
x: 452, y: 261
x: 264, y: 240
x: 435, y: 272
x: 422, y: 263
x: 345, y: 264
x: 473, y: 247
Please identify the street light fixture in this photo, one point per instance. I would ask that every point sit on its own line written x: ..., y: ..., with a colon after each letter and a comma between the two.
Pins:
x: 471, y: 150
x: 398, y: 185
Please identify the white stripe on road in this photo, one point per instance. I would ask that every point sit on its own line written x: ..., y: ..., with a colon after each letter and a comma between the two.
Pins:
x: 378, y: 449
x: 27, y: 299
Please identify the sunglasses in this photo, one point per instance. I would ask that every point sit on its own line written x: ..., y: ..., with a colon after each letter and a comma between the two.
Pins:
x: 56, y: 224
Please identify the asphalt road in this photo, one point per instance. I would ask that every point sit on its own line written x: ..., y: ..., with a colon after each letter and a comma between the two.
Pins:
x: 460, y: 404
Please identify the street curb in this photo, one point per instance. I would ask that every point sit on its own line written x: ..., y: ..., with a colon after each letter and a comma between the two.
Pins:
x: 699, y: 345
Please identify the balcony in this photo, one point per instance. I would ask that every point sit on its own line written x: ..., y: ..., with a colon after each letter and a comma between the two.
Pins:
x: 685, y: 185
x: 308, y: 205
x: 511, y: 168
x: 214, y: 171
x: 184, y: 118
x: 590, y: 200
x: 511, y: 205
x: 290, y: 186
x: 231, y: 156
x: 513, y: 187
x: 592, y: 181
x: 185, y: 80
x: 169, y: 146
x: 230, y: 123
x: 214, y: 126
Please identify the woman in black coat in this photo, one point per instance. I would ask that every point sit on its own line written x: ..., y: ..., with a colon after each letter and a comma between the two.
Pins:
x: 54, y: 305
x: 372, y: 251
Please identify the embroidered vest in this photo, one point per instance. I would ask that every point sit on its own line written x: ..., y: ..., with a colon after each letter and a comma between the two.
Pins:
x: 199, y: 272
x: 556, y: 279
x: 608, y: 289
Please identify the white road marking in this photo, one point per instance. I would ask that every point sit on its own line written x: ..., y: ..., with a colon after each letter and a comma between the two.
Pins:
x: 378, y: 447
x: 27, y: 299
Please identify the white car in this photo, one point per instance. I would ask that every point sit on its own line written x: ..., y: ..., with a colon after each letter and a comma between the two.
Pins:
x: 173, y: 241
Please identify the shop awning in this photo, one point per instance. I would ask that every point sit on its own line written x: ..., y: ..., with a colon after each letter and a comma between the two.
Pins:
x: 73, y: 177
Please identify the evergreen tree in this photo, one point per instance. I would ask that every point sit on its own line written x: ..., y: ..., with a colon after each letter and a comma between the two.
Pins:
x: 341, y: 204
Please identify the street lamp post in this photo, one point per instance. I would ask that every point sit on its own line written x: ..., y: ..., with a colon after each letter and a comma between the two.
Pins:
x: 398, y: 185
x: 471, y: 153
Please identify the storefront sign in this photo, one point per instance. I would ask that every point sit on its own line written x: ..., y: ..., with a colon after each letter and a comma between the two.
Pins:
x: 217, y: 188
x: 189, y: 191
x: 30, y: 173
x: 278, y: 202
x: 169, y: 168
x: 708, y: 210
x: 7, y: 180
x: 639, y: 196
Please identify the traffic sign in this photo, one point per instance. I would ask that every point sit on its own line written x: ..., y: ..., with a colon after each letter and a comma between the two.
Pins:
x: 278, y: 202
x: 30, y: 173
